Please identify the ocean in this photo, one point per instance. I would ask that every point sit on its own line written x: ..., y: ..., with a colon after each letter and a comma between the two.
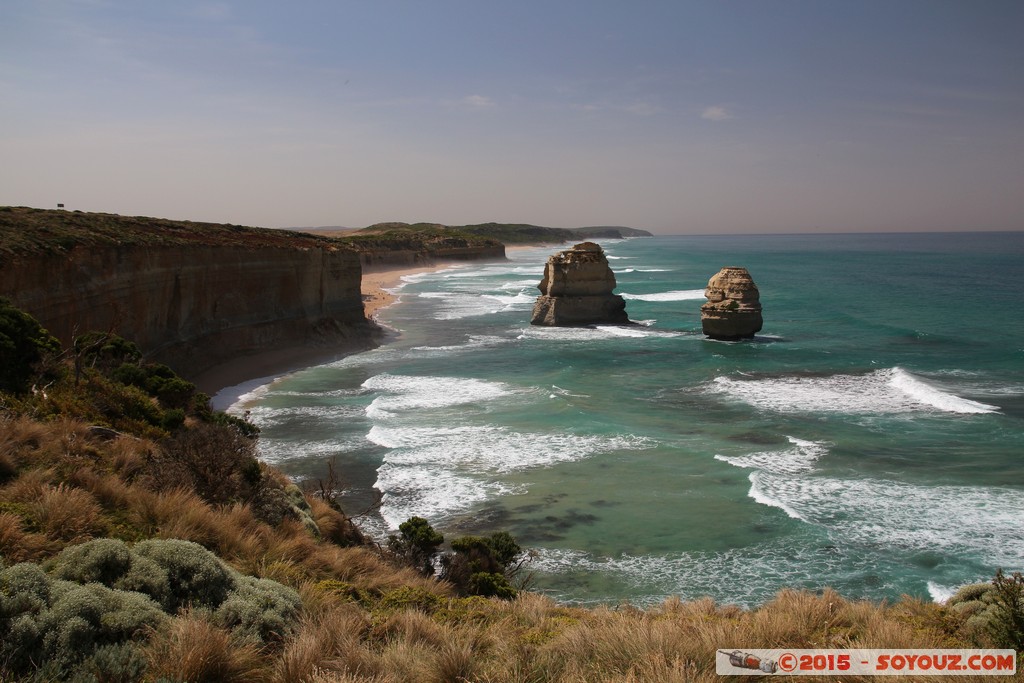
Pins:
x: 870, y: 438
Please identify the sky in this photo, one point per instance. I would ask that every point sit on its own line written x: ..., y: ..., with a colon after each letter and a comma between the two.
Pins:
x: 688, y: 117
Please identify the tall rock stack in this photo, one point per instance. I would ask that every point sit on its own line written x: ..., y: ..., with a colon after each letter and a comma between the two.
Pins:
x: 733, y: 310
x: 577, y: 290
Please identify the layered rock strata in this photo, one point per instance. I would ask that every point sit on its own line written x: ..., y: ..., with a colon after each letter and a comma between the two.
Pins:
x: 733, y: 309
x: 577, y: 290
x: 194, y: 307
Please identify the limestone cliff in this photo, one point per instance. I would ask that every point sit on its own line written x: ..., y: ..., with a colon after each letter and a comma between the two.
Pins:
x: 190, y: 295
x: 577, y: 290
x: 733, y: 310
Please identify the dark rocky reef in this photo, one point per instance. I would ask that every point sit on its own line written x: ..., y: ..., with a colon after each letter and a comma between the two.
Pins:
x: 733, y: 310
x: 577, y: 290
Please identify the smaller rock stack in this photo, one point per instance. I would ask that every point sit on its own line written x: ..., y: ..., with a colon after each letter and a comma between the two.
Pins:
x: 733, y: 310
x: 577, y: 290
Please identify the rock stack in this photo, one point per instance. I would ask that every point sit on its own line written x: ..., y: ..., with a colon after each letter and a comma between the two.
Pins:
x: 733, y: 310
x: 577, y: 290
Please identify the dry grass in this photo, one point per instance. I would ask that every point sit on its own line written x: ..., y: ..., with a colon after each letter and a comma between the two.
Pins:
x: 19, y: 545
x: 191, y: 649
x: 330, y: 639
x: 68, y: 514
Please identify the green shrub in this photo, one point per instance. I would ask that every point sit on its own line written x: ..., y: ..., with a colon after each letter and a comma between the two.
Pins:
x: 491, y: 584
x: 260, y: 610
x: 416, y: 544
x: 196, y: 577
x: 61, y: 623
x: 120, y: 663
x: 406, y: 597
x: 24, y: 588
x: 480, y: 565
x: 104, y: 351
x: 174, y: 392
x: 104, y: 560
x: 1007, y: 624
x: 172, y: 419
x: 147, y: 577
x: 23, y: 345
x: 994, y: 610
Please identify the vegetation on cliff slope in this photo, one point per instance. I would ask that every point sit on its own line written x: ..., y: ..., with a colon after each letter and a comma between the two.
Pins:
x: 420, y: 237
x: 141, y: 540
x: 30, y: 231
x: 509, y: 233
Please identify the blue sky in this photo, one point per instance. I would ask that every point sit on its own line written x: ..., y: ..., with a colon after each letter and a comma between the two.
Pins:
x: 678, y: 117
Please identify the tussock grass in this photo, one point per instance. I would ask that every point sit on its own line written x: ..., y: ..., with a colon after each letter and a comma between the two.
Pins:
x: 192, y: 649
x: 68, y: 514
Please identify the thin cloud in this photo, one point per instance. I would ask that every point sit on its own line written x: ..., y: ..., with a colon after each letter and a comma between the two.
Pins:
x: 717, y: 113
x: 478, y: 101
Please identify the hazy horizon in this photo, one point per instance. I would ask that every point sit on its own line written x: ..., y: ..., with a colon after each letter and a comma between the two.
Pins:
x: 678, y: 118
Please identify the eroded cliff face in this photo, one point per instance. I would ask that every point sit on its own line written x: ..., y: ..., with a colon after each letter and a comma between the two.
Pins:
x: 577, y: 290
x: 196, y: 306
x: 391, y: 258
x: 733, y: 310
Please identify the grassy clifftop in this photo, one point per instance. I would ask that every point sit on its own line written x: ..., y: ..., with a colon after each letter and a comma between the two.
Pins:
x: 25, y: 231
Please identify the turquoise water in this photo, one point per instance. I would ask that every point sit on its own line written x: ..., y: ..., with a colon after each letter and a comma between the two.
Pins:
x: 870, y: 439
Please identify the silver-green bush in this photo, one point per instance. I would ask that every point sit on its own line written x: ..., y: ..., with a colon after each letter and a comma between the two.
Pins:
x: 260, y: 610
x: 196, y: 577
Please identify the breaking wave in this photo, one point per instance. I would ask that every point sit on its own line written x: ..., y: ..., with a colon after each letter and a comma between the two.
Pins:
x: 798, y: 459
x: 884, y: 391
x: 676, y: 295
x: 404, y: 393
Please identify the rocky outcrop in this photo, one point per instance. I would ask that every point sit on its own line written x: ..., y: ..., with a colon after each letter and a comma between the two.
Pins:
x: 577, y: 290
x: 733, y: 310
x: 193, y: 307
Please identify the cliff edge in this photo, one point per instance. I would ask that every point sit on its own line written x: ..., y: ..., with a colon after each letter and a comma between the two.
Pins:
x: 191, y: 295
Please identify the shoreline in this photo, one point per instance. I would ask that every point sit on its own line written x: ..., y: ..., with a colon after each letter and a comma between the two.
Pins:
x: 227, y: 382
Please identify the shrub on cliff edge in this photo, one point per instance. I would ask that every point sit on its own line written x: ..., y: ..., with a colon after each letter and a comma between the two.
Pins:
x: 23, y: 344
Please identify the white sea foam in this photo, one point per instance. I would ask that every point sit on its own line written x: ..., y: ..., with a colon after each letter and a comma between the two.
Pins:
x: 404, y: 393
x: 518, y: 285
x: 433, y: 472
x: 430, y: 493
x: 277, y: 451
x: 490, y: 450
x: 884, y: 391
x: 873, y: 512
x: 745, y: 576
x: 797, y: 459
x: 596, y: 333
x: 456, y: 305
x: 941, y: 594
x: 495, y: 271
x: 675, y: 295
x: 265, y: 415
x: 559, y: 391
x: 473, y: 342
